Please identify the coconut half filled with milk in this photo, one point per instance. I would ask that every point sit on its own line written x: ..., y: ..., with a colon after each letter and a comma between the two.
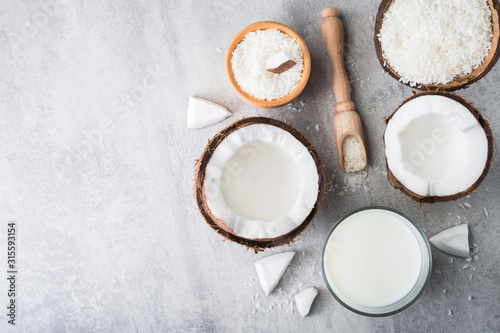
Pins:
x: 259, y: 183
x: 438, y: 147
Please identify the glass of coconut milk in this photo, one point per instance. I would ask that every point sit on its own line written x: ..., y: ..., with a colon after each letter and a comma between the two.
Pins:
x: 376, y: 261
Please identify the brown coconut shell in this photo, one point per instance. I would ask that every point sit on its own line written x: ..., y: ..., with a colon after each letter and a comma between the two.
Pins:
x: 217, y: 224
x: 459, y: 83
x: 489, y: 136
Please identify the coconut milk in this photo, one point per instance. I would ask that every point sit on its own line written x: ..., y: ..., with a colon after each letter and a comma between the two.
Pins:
x: 261, y: 181
x: 372, y: 259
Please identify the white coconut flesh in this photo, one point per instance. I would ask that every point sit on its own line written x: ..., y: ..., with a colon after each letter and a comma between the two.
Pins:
x: 261, y: 182
x: 435, y: 146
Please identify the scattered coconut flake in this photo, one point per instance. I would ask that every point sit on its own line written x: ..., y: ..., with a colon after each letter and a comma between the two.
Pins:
x: 476, y: 258
x: 465, y: 266
x: 270, y: 269
x: 470, y: 277
x: 451, y: 260
x: 258, y: 305
x: 470, y: 298
x: 461, y: 206
x: 218, y: 49
x: 354, y: 181
x: 444, y: 291
x: 202, y: 113
x: 469, y: 259
x: 281, y: 307
x: 486, y: 190
x: 304, y: 300
x: 302, y: 103
x: 458, y: 217
x: 437, y: 271
x: 449, y: 312
x: 301, y: 285
x: 453, y: 241
x: 485, y: 211
x: 254, y: 311
x: 468, y: 205
x: 316, y: 127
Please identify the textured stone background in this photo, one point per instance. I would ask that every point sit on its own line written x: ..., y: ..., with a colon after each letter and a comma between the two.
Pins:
x: 97, y: 168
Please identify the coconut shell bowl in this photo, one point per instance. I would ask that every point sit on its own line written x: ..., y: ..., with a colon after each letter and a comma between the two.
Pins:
x: 461, y: 82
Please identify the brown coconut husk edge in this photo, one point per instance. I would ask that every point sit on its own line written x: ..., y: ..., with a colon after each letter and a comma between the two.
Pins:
x: 218, y: 225
x: 489, y: 136
x: 459, y: 83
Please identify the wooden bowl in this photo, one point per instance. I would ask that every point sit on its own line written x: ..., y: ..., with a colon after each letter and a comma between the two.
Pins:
x: 265, y: 104
x: 461, y: 82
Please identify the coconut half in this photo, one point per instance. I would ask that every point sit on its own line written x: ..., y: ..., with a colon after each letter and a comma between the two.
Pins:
x: 438, y: 147
x: 259, y: 182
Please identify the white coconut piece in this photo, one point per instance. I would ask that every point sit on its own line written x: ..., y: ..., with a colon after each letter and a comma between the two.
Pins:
x: 261, y: 181
x: 270, y: 269
x: 435, y: 146
x: 453, y: 241
x: 304, y: 299
x: 203, y: 113
x: 280, y: 62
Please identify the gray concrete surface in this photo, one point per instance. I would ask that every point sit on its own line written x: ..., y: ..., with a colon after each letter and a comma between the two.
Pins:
x: 97, y: 170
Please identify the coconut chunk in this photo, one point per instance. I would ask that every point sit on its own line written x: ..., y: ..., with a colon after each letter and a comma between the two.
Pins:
x: 454, y: 241
x: 271, y: 269
x: 304, y: 300
x: 280, y: 62
x: 203, y: 113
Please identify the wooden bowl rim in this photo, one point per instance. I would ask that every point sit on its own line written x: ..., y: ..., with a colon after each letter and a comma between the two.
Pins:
x: 459, y: 83
x: 264, y: 104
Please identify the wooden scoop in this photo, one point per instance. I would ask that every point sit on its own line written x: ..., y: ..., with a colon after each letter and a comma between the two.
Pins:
x: 346, y: 121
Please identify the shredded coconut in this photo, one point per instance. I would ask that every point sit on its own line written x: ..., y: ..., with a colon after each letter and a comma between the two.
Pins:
x: 249, y: 59
x: 435, y: 41
x: 352, y: 153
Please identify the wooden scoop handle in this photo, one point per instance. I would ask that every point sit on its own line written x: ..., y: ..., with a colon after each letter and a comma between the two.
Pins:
x: 333, y: 33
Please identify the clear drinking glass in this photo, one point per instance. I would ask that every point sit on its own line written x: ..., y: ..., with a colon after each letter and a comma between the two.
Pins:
x: 411, y: 296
